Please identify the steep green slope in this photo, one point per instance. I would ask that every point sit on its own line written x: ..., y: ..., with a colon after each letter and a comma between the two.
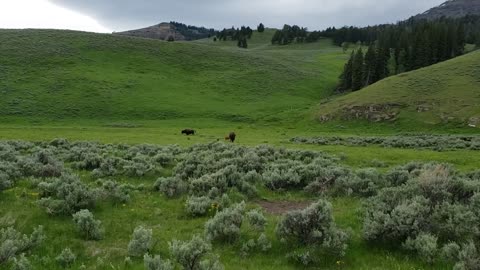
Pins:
x: 448, y: 92
x: 47, y: 74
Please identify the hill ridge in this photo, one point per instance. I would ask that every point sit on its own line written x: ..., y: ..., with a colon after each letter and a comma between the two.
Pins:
x: 453, y: 9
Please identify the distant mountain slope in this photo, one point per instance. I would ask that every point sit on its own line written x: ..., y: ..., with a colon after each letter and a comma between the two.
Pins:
x: 452, y: 8
x: 177, y: 31
x: 448, y: 92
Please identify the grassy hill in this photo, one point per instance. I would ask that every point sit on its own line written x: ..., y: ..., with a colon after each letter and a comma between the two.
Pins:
x: 439, y: 94
x: 54, y: 75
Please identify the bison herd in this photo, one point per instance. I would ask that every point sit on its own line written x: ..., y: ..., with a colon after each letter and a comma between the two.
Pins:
x: 231, y: 136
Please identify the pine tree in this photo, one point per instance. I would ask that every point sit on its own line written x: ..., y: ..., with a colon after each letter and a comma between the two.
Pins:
x: 357, y: 71
x: 370, y: 63
x: 402, y: 60
x: 261, y: 28
x: 392, y: 63
x: 346, y: 77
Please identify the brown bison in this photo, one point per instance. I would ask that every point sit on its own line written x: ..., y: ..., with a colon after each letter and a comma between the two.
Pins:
x: 231, y: 137
x: 188, y: 132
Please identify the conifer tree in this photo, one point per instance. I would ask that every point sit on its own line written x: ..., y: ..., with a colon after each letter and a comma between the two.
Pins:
x: 346, y: 77
x: 402, y: 60
x: 370, y: 61
x: 392, y: 63
x: 357, y: 71
x: 261, y: 28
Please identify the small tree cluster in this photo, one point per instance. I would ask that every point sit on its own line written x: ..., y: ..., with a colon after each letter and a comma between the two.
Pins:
x: 290, y: 34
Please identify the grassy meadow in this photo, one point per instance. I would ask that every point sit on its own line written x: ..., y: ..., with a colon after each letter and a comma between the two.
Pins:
x: 120, y: 90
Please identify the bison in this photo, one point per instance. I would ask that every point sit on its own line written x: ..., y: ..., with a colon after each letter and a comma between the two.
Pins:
x: 231, y: 137
x: 188, y: 132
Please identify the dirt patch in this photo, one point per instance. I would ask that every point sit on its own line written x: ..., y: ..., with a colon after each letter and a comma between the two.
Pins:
x: 281, y: 207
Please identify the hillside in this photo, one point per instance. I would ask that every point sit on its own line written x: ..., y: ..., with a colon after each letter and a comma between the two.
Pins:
x: 452, y: 8
x: 442, y: 93
x: 53, y: 75
x: 165, y: 31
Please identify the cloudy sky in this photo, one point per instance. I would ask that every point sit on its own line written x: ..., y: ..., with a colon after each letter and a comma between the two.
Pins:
x: 117, y: 15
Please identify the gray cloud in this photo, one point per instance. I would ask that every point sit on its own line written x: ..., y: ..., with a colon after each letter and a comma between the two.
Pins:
x: 315, y: 14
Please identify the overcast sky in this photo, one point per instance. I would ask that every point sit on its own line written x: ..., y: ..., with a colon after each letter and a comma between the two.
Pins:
x: 117, y: 15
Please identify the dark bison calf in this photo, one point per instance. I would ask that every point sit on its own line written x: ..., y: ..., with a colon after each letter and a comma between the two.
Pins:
x: 188, y: 132
x: 231, y: 137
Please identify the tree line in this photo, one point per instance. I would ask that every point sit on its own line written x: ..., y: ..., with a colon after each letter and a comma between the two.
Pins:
x: 238, y: 34
x: 405, y: 46
x: 191, y: 32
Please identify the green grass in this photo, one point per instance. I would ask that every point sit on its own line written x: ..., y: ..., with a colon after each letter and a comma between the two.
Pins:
x: 56, y: 75
x: 449, y: 92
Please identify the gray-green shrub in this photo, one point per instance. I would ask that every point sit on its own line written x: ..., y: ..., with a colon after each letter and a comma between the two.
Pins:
x: 141, y: 241
x: 13, y: 242
x: 90, y: 228
x: 66, y: 258
x: 257, y: 220
x: 437, y: 207
x: 156, y: 263
x: 170, y: 186
x: 226, y: 224
x: 65, y: 195
x: 21, y: 263
x: 313, y: 226
x: 189, y: 254
x: 198, y: 206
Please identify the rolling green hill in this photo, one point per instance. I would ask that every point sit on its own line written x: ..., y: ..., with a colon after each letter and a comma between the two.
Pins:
x: 53, y: 75
x: 444, y: 93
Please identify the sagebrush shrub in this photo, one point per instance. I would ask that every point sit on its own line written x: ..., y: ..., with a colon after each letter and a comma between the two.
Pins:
x: 5, y: 182
x: 66, y: 258
x: 257, y: 220
x: 90, y: 228
x: 119, y: 194
x: 425, y: 245
x: 436, y: 207
x: 13, y: 242
x: 313, y: 225
x: 225, y: 225
x: 263, y: 243
x: 468, y: 257
x: 198, y: 206
x: 21, y: 263
x: 156, y: 263
x: 66, y: 195
x: 141, y: 241
x: 170, y: 186
x: 189, y: 254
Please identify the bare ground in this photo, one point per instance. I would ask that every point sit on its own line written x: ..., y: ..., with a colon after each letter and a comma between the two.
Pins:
x: 281, y: 207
